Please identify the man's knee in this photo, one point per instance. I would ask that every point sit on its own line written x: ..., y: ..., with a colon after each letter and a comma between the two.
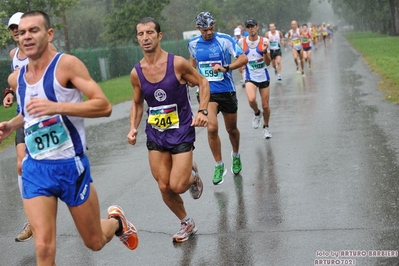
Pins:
x: 95, y: 243
x: 44, y: 250
x: 232, y: 131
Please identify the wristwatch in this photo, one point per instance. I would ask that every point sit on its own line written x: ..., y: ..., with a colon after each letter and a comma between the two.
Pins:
x: 227, y: 67
x: 204, y: 111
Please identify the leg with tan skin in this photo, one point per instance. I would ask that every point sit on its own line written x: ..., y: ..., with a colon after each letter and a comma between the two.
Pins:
x: 310, y: 58
x: 230, y: 121
x: 41, y: 213
x: 213, y: 132
x: 301, y: 59
x: 250, y: 89
x: 278, y: 59
x: 265, y: 95
x: 274, y: 64
x: 26, y: 233
x: 305, y: 55
x: 94, y: 231
x: 21, y: 152
x: 295, y: 55
x: 173, y: 175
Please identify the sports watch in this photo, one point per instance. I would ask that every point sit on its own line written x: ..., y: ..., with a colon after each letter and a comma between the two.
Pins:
x: 227, y: 67
x: 204, y: 111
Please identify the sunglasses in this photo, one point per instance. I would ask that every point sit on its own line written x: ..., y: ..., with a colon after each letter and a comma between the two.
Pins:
x: 13, y: 27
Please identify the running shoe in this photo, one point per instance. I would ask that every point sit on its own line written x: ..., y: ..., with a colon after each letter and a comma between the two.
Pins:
x: 256, y: 121
x: 266, y: 133
x: 297, y: 70
x: 303, y: 73
x: 236, y: 166
x: 279, y: 77
x: 187, y: 229
x: 275, y: 71
x: 220, y: 172
x: 310, y: 68
x: 128, y: 236
x: 25, y: 234
x: 197, y: 186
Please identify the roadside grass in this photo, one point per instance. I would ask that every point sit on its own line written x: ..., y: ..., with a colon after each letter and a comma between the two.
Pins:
x: 381, y: 53
x: 117, y: 90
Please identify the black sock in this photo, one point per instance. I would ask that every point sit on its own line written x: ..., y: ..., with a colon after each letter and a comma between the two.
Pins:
x: 258, y: 113
x: 119, y: 231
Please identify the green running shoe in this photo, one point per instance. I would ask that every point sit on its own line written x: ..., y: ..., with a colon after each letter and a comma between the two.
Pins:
x: 237, y: 166
x: 220, y: 172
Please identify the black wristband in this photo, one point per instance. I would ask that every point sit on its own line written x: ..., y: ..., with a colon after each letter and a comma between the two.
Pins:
x: 7, y: 91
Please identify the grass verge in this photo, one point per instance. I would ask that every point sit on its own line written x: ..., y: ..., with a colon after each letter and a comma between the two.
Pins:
x: 381, y: 53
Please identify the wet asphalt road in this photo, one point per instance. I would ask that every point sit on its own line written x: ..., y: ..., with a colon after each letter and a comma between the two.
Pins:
x: 326, y: 181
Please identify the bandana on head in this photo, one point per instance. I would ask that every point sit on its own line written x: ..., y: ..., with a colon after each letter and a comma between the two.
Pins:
x: 204, y: 20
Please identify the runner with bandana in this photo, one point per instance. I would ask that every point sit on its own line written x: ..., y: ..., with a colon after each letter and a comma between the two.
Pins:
x: 211, y: 54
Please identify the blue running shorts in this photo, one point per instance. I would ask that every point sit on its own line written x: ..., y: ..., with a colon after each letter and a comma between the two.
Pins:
x: 66, y: 179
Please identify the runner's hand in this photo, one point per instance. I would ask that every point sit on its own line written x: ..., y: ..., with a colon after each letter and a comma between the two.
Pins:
x: 5, y: 130
x: 39, y: 107
x: 132, y: 136
x: 265, y: 46
x: 200, y: 120
x: 8, y: 100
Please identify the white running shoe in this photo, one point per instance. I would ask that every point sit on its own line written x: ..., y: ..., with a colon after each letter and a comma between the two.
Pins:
x: 279, y: 77
x: 256, y: 121
x: 266, y: 133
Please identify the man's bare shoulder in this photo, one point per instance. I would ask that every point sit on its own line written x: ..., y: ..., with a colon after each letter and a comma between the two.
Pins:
x: 12, y: 52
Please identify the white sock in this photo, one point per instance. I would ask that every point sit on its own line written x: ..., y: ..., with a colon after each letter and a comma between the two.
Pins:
x: 185, y: 219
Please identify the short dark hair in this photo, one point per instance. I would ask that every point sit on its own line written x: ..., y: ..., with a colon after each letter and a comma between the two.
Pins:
x: 33, y: 13
x: 147, y: 20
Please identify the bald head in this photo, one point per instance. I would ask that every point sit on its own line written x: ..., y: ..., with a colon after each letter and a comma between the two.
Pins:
x: 294, y: 24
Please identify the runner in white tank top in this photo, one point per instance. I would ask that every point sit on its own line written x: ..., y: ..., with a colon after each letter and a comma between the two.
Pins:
x: 294, y: 39
x: 275, y: 38
x: 256, y: 74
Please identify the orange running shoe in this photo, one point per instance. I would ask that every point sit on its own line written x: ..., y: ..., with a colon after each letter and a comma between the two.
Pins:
x: 129, y: 233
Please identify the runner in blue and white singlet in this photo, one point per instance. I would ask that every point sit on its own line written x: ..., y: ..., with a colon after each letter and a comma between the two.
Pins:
x: 217, y: 51
x: 69, y: 129
x: 50, y: 91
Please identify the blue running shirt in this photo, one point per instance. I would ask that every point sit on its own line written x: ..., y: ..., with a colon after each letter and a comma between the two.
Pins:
x: 219, y: 50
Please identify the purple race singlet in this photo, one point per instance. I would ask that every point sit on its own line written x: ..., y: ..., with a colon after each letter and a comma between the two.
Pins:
x: 169, y: 109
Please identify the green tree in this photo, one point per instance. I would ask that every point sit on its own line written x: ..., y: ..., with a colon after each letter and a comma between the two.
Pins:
x: 120, y: 23
x: 5, y: 37
x: 54, y: 8
x: 377, y: 16
x: 85, y: 26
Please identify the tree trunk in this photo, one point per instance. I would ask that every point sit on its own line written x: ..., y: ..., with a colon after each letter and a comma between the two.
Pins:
x: 395, y: 17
